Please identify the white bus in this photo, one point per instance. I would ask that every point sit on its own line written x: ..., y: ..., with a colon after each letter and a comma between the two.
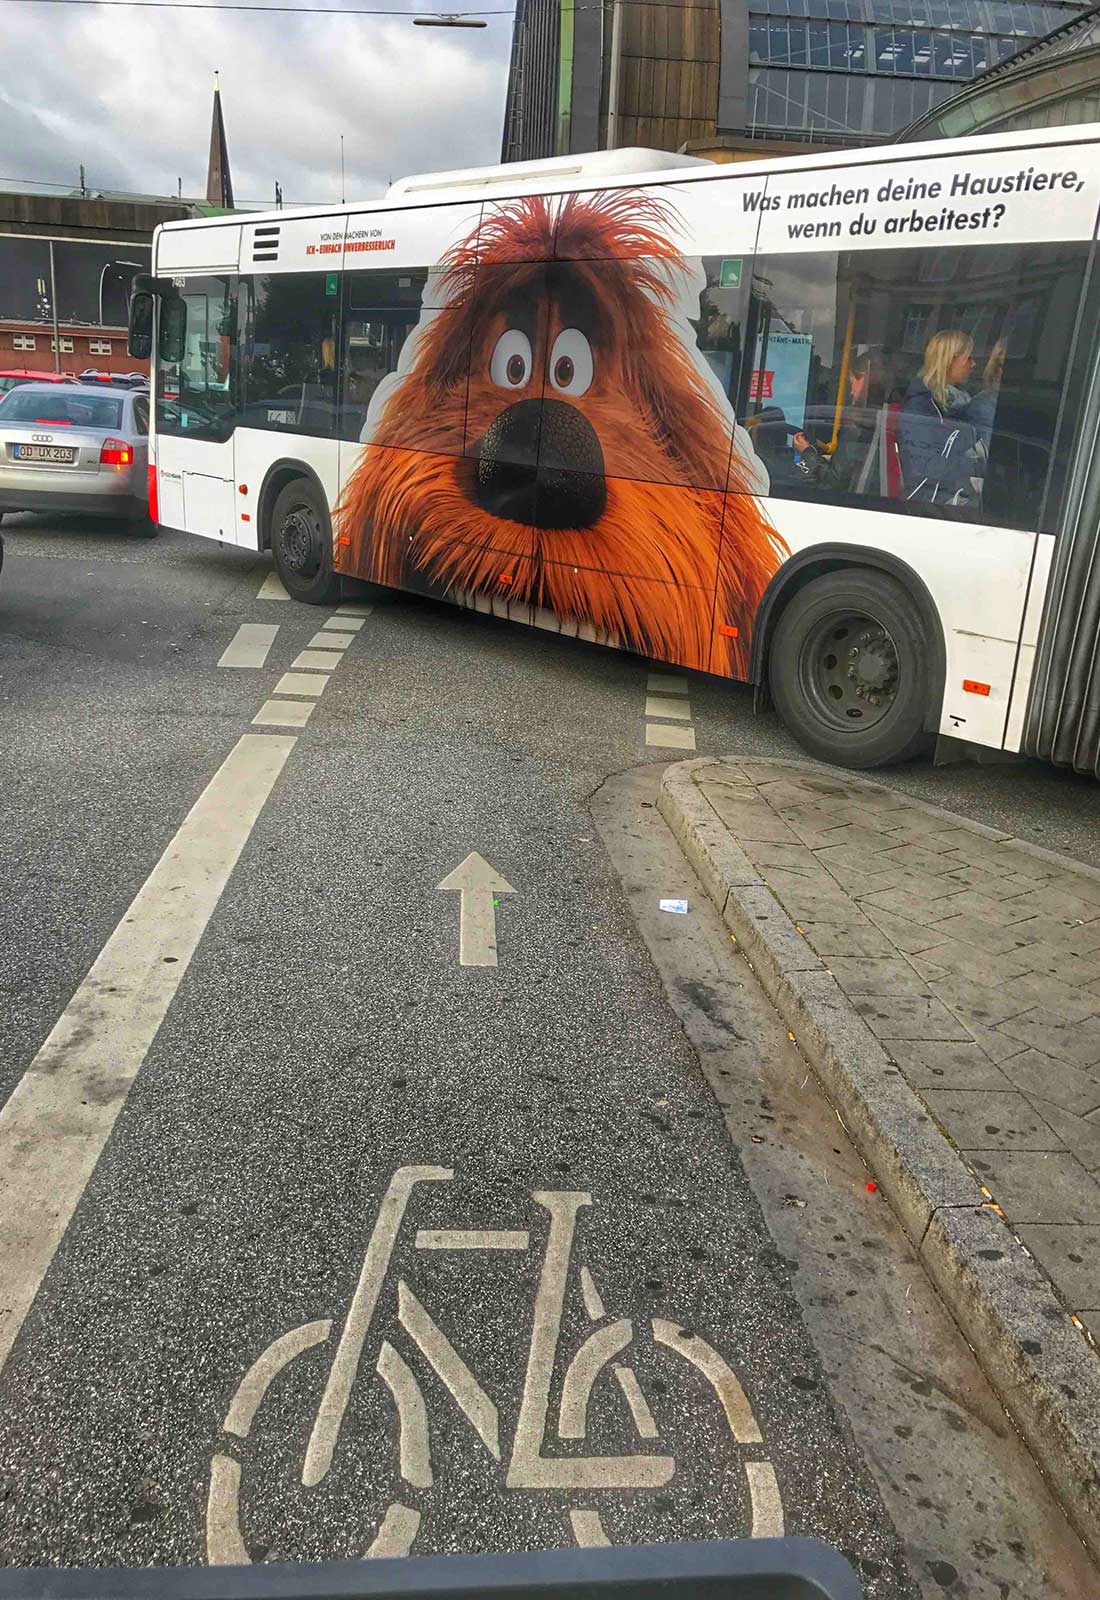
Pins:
x: 825, y: 423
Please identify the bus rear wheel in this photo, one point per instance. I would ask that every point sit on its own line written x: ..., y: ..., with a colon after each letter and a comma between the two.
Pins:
x: 849, y: 671
x: 301, y: 544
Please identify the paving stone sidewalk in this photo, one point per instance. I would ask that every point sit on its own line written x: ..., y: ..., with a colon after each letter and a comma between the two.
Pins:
x: 975, y: 960
x: 943, y: 980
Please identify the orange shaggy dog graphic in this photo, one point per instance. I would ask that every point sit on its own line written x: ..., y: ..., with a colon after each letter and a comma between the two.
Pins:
x: 554, y: 439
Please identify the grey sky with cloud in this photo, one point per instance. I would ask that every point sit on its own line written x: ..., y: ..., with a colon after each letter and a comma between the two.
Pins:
x: 128, y: 93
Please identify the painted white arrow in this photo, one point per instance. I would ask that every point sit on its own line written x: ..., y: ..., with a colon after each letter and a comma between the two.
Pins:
x: 477, y: 882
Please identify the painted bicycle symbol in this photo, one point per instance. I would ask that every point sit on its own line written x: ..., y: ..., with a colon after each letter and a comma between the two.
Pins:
x: 528, y: 1465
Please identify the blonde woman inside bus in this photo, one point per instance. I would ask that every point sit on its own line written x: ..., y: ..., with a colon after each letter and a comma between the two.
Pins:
x: 942, y: 454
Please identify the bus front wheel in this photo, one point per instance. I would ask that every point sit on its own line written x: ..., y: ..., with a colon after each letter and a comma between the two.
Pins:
x: 849, y: 671
x: 301, y: 544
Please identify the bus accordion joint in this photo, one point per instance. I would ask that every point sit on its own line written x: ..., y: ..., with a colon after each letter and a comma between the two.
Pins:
x: 728, y: 631
x: 972, y: 686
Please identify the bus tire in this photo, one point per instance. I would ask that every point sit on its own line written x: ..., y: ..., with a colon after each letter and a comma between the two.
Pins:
x: 849, y: 669
x: 301, y: 544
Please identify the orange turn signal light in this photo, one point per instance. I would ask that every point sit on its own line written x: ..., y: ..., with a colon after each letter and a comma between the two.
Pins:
x: 343, y: 539
x: 728, y: 631
x: 971, y: 686
x: 245, y: 517
x: 242, y: 488
x: 507, y: 577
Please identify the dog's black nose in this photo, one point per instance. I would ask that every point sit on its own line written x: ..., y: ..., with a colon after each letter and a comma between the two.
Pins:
x: 541, y: 463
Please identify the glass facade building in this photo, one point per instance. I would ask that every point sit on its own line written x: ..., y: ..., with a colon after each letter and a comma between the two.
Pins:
x: 853, y: 71
x: 1054, y: 83
x: 739, y: 78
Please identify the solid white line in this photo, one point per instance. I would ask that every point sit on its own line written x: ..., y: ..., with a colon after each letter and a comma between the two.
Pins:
x: 272, y: 588
x: 61, y: 1113
x: 657, y: 706
x: 300, y: 683
x: 284, y: 714
x: 471, y: 1239
x: 330, y: 641
x: 317, y: 660
x: 665, y: 683
x: 343, y: 624
x: 249, y: 645
x: 667, y: 737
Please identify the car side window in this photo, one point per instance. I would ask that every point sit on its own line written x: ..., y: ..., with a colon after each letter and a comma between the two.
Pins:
x: 141, y: 415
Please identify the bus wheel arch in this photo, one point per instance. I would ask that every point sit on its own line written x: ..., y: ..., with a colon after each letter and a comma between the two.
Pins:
x: 871, y: 602
x: 295, y: 525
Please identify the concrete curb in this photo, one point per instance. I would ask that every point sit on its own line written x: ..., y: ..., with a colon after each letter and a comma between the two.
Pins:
x: 1040, y: 1366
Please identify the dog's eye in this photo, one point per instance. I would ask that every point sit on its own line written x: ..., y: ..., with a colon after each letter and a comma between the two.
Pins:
x: 510, y: 366
x: 571, y: 362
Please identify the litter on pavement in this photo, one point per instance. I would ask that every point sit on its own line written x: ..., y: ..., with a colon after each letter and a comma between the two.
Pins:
x: 674, y: 905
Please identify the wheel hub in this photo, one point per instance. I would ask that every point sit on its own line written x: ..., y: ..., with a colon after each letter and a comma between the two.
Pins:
x: 849, y: 670
x: 873, y: 665
x: 301, y: 546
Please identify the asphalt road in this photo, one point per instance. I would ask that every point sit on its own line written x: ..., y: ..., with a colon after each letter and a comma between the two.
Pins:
x: 613, y: 1306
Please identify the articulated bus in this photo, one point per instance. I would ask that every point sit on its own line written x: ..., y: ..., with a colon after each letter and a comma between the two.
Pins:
x: 827, y: 424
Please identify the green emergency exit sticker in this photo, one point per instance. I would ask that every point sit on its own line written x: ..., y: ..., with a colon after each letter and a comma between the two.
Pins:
x: 330, y: 280
x: 730, y: 275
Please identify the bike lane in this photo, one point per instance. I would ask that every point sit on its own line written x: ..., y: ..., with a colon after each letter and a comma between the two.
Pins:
x: 585, y: 1332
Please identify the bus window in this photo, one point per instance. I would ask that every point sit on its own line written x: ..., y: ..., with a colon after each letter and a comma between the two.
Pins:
x: 196, y: 396
x: 928, y: 381
x: 289, y: 366
x: 381, y: 310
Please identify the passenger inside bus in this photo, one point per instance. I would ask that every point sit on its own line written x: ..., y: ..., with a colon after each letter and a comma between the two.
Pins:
x: 942, y: 454
x: 927, y: 383
x: 848, y: 465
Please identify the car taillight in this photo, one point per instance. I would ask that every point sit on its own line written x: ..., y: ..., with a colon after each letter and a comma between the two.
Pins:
x: 153, y: 504
x: 115, y: 453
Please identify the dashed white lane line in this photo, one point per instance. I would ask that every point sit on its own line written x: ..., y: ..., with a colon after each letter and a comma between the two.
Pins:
x: 284, y: 713
x: 317, y: 660
x: 272, y: 588
x: 60, y: 1115
x: 345, y: 624
x: 666, y: 697
x: 668, y: 737
x: 249, y: 645
x: 330, y: 641
x: 659, y: 705
x: 308, y: 683
x: 354, y: 611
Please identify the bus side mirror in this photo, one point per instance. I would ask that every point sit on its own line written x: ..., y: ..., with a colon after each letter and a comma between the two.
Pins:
x: 173, y: 329
x: 140, y: 340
